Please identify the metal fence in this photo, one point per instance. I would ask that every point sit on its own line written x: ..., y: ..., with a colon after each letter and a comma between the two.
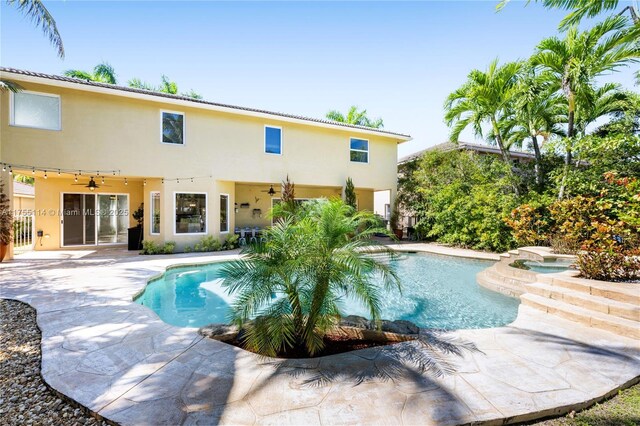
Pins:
x: 23, y: 233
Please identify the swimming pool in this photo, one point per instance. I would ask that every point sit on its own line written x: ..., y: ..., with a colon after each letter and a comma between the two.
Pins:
x: 437, y: 292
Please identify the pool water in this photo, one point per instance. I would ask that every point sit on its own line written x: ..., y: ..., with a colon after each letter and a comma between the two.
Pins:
x: 437, y: 292
x: 548, y: 268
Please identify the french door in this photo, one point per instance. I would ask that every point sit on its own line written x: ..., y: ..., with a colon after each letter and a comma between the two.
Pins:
x: 94, y: 219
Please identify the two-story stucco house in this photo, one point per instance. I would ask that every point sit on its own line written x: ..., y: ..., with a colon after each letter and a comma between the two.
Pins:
x: 200, y: 168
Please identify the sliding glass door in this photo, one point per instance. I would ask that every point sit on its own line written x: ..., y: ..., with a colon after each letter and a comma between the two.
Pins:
x: 91, y: 218
x: 113, y: 219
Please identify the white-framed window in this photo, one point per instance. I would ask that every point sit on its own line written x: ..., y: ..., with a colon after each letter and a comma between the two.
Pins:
x: 36, y: 110
x: 172, y: 127
x: 359, y: 150
x: 190, y: 213
x: 273, y: 140
x: 155, y: 213
x: 224, y: 213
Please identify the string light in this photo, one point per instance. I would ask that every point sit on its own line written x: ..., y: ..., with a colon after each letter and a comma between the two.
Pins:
x: 45, y: 174
x: 10, y: 171
x: 33, y: 171
x: 75, y: 178
x: 163, y: 181
x: 125, y: 181
x: 144, y: 182
x: 4, y: 167
x: 103, y: 180
x: 191, y: 180
x: 58, y: 172
x: 177, y: 180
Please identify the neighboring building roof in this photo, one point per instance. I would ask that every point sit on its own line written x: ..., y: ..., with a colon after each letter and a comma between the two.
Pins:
x: 124, y: 90
x: 22, y: 189
x: 451, y: 146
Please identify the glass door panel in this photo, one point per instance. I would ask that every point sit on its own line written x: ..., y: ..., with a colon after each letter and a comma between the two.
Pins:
x: 107, y: 224
x: 122, y: 215
x: 72, y: 220
x: 90, y: 219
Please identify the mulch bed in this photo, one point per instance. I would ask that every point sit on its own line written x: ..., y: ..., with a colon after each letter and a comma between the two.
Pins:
x: 24, y: 397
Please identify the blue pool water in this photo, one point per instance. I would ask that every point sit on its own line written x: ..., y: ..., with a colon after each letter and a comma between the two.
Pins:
x: 437, y: 292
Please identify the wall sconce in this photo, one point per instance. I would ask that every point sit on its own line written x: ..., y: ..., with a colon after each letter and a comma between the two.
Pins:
x: 271, y: 191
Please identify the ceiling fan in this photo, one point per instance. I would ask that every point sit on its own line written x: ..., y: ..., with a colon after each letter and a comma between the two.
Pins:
x: 92, y: 185
x: 270, y: 191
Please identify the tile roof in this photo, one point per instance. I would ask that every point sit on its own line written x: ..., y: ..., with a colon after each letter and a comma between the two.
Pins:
x: 451, y: 146
x: 196, y: 101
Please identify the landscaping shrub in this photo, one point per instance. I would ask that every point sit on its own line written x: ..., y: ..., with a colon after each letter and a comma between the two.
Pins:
x: 208, y: 243
x: 151, y: 247
x: 231, y: 242
x: 461, y: 198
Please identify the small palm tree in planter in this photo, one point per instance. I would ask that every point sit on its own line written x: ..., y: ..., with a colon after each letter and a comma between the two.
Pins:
x: 287, y: 289
x: 6, y: 222
x: 395, y: 221
x: 136, y: 233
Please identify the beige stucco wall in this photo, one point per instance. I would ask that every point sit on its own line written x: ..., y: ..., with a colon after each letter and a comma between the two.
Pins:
x: 23, y: 203
x: 221, y: 151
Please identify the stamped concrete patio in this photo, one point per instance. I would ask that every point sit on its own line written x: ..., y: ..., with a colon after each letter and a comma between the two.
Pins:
x: 121, y: 361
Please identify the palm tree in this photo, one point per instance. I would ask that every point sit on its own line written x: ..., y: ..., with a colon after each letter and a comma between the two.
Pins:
x: 608, y: 100
x: 166, y: 86
x: 102, y: 73
x: 288, y: 289
x: 537, y: 112
x: 484, y: 99
x: 40, y: 16
x: 583, y: 9
x: 355, y: 117
x: 575, y: 61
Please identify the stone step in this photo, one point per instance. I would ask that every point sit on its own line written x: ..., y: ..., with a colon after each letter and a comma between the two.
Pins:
x: 596, y: 303
x: 621, y: 292
x: 489, y: 280
x: 620, y: 326
x: 498, y: 274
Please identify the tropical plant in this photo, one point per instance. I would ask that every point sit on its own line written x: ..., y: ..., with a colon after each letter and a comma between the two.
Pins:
x: 35, y: 11
x: 350, y: 194
x: 484, y: 99
x: 102, y: 73
x: 6, y: 216
x: 355, y: 117
x: 583, y: 9
x: 166, y: 86
x: 536, y: 111
x: 463, y: 200
x: 288, y: 289
x: 575, y: 61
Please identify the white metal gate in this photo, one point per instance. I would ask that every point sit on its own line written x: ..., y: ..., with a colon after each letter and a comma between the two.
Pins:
x: 23, y: 232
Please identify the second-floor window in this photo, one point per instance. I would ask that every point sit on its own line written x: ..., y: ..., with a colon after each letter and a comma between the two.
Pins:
x: 272, y: 140
x: 359, y: 150
x: 36, y: 110
x: 173, y: 127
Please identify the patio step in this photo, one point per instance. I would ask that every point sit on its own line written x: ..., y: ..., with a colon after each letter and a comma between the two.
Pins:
x: 496, y: 282
x: 621, y: 292
x: 588, y: 301
x: 587, y: 317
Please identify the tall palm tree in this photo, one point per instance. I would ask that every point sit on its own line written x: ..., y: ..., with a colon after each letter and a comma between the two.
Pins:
x: 575, y: 61
x: 537, y: 112
x: 484, y: 99
x: 102, y: 73
x: 312, y: 258
x: 40, y: 16
x: 356, y: 117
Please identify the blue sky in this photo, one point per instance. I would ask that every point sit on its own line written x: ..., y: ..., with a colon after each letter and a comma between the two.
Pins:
x: 399, y: 60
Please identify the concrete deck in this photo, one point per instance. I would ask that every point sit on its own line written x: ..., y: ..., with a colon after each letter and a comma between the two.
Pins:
x: 120, y: 360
